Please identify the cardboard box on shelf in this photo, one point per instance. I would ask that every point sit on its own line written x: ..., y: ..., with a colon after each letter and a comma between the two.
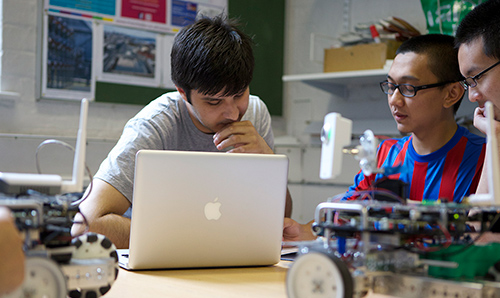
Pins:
x: 359, y: 57
x: 392, y: 47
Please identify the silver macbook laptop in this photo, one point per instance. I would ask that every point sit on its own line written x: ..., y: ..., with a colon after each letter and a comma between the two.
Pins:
x: 200, y: 209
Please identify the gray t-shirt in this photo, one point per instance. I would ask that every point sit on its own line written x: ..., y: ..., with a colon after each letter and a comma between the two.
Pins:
x: 165, y: 124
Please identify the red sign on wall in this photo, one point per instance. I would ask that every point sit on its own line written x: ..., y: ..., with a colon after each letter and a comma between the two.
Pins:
x: 147, y: 10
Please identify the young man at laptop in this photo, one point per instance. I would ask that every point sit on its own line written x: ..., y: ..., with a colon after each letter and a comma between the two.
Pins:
x: 478, y: 44
x: 212, y: 65
x: 424, y: 92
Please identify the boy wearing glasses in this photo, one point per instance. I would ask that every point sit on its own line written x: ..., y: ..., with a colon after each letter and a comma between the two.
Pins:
x: 441, y: 159
x: 478, y: 43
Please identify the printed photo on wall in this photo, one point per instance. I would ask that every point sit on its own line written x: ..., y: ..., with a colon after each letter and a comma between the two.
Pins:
x: 67, y: 66
x: 129, y: 55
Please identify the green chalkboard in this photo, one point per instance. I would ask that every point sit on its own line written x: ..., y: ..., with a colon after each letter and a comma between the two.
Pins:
x: 131, y: 94
x: 264, y: 20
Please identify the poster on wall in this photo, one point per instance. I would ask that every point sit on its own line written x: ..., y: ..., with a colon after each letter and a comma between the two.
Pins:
x: 166, y: 16
x: 67, y: 60
x: 185, y: 12
x: 443, y: 16
x: 148, y: 10
x: 128, y: 55
x: 105, y: 8
x: 116, y: 41
x: 144, y: 14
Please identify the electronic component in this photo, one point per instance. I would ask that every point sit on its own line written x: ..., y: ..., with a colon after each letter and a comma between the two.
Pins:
x: 400, y: 248
x: 429, y: 247
x: 58, y: 265
x: 43, y: 207
x: 335, y: 135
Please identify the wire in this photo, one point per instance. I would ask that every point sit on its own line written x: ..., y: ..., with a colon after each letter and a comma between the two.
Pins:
x: 447, y: 243
x: 66, y: 145
x: 470, y: 244
x: 86, y: 193
x: 84, y: 222
x: 89, y: 173
x: 46, y: 142
x: 362, y: 195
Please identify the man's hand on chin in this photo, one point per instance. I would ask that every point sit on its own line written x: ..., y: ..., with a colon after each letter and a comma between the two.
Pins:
x: 480, y: 121
x: 243, y: 137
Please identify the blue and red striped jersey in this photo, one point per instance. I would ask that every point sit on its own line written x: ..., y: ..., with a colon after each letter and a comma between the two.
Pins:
x: 453, y: 171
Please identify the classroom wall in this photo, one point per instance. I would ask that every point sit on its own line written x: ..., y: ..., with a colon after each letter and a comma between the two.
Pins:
x: 22, y: 114
x: 25, y: 121
x: 297, y: 131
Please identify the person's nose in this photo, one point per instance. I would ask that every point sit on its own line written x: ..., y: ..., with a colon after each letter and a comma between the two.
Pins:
x: 396, y: 99
x: 231, y: 110
x: 474, y: 94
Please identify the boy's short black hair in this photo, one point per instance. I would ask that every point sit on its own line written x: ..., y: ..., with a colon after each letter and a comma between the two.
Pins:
x: 442, y: 57
x: 212, y: 56
x: 482, y: 22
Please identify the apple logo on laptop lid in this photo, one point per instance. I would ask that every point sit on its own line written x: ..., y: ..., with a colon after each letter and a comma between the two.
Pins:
x: 212, y: 210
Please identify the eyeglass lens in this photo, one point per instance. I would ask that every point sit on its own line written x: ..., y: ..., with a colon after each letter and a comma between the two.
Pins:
x: 472, y: 81
x: 405, y: 89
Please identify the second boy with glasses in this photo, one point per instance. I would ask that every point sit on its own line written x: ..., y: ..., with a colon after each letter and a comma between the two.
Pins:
x: 441, y: 159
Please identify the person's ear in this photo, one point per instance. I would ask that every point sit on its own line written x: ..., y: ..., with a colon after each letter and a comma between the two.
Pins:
x: 455, y: 93
x: 182, y: 93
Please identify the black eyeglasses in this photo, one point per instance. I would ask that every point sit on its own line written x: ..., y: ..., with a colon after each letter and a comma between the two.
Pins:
x: 406, y: 90
x: 471, y: 82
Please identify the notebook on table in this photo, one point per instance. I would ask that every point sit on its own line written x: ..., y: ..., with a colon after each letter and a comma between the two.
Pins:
x: 201, y: 209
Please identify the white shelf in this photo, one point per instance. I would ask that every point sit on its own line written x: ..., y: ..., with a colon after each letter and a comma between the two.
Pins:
x: 339, y: 83
x: 327, y: 80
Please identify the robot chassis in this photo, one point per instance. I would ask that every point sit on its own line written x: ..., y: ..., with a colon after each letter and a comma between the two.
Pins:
x: 58, y: 265
x: 391, y: 247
